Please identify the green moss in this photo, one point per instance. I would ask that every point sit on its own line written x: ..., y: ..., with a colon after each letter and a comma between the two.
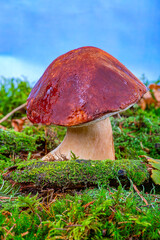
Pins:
x: 91, y: 214
x: 137, y: 134
x: 14, y: 142
x: 64, y: 174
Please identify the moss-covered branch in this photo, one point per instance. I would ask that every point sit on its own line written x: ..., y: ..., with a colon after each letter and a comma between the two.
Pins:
x: 11, y: 141
x: 78, y: 173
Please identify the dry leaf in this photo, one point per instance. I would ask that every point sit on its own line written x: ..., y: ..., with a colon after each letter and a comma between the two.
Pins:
x: 17, y: 124
x: 155, y: 168
x: 151, y: 97
x: 156, y: 176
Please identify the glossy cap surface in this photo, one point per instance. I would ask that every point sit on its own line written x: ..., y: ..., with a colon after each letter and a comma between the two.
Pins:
x: 81, y: 86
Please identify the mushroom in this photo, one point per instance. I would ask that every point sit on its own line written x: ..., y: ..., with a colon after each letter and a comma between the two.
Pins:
x: 80, y: 90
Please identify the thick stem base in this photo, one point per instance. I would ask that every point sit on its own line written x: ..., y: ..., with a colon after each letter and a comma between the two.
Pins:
x: 94, y: 142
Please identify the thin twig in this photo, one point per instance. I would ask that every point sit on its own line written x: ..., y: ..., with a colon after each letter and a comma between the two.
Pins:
x: 156, y: 196
x: 12, y: 112
x: 73, y: 225
x: 138, y: 192
x: 9, y: 232
x: 6, y: 198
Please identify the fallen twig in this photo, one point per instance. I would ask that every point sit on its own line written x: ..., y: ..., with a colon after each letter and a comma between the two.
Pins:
x: 74, y: 225
x: 6, y: 198
x: 12, y: 112
x: 8, y: 232
x: 156, y: 196
x: 88, y: 204
x: 61, y: 174
x: 138, y: 192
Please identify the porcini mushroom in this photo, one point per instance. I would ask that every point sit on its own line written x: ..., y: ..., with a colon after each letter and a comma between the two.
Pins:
x: 80, y: 90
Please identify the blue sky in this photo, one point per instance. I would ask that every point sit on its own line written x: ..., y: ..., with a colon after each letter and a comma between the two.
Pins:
x: 34, y: 32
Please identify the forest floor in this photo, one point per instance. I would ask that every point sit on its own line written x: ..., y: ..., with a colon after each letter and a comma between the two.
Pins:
x: 96, y: 199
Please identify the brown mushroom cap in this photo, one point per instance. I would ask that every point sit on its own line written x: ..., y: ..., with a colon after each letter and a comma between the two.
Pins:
x: 81, y: 86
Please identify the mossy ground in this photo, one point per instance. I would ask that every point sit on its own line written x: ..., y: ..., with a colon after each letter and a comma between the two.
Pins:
x: 90, y: 214
x: 137, y: 133
x: 99, y: 212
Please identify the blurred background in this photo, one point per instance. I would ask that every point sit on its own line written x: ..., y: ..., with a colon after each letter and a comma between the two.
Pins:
x: 34, y: 33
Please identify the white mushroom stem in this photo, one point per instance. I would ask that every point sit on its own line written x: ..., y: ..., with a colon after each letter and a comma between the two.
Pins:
x: 94, y: 141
